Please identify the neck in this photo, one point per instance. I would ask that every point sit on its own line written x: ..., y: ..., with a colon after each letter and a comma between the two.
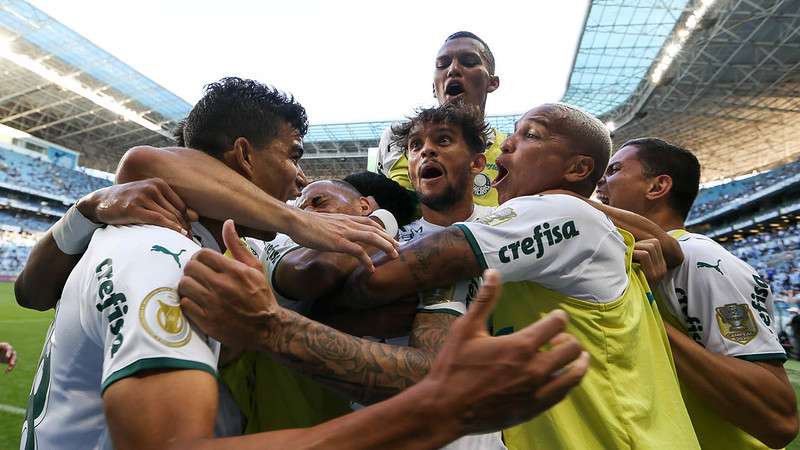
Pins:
x: 666, y: 218
x: 215, y: 228
x: 457, y: 212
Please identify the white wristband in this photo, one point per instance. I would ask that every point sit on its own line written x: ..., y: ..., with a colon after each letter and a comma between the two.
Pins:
x: 73, y: 232
x: 389, y: 222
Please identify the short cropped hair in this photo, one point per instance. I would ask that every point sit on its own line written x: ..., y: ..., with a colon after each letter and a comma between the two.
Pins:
x: 468, y: 118
x: 234, y: 107
x: 389, y: 195
x: 659, y: 157
x: 177, y: 133
x: 587, y: 134
x: 487, y: 52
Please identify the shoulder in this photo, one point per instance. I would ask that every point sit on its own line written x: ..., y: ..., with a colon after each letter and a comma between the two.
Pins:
x: 410, y: 232
x: 387, y: 137
x: 553, y: 207
x: 142, y: 240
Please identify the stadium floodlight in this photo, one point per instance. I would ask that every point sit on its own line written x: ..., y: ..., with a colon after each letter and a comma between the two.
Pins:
x: 69, y: 82
x: 672, y: 49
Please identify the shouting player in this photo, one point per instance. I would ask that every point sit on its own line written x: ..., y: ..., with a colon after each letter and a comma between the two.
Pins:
x: 464, y: 73
x: 729, y: 359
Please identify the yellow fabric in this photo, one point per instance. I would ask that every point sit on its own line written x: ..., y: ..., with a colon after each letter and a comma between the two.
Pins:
x: 713, y: 432
x: 399, y: 172
x: 273, y: 397
x: 630, y: 397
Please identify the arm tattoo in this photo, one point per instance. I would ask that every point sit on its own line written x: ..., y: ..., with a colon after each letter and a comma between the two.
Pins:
x: 363, y: 370
x: 430, y: 260
x: 430, y: 330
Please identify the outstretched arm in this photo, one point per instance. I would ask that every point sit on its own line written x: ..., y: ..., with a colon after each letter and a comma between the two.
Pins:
x: 755, y: 396
x: 224, y: 194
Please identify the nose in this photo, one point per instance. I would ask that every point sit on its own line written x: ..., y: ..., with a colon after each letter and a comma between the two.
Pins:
x: 508, y: 144
x: 601, y: 182
x: 428, y: 149
x: 454, y: 69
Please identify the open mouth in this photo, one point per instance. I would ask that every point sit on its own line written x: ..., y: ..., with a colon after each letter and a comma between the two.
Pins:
x: 430, y: 171
x: 502, y: 172
x: 603, y: 198
x: 454, y: 88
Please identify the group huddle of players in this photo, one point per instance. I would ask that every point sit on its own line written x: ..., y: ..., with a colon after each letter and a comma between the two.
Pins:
x: 381, y: 293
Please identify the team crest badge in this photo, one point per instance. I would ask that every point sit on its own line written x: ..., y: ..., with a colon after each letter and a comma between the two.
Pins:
x: 502, y: 215
x: 481, y: 185
x: 736, y: 323
x: 162, y: 318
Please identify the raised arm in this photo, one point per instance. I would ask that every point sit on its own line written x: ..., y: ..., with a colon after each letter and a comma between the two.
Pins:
x: 223, y: 194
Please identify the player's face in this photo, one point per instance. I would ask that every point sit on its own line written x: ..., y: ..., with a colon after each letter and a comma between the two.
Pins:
x: 299, y: 184
x: 275, y: 167
x: 440, y: 165
x: 534, y: 157
x: 462, y: 74
x: 624, y: 185
x: 326, y: 197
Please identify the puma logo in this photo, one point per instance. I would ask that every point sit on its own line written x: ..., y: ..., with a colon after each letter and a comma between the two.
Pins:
x: 701, y: 264
x: 160, y: 249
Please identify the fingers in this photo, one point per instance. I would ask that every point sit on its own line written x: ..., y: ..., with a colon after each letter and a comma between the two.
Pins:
x: 194, y: 312
x: 12, y: 361
x: 174, y: 201
x: 160, y: 219
x: 481, y: 307
x: 238, y: 249
x: 565, y: 349
x: 544, y: 329
x: 193, y: 290
x: 560, y: 384
x: 373, y: 239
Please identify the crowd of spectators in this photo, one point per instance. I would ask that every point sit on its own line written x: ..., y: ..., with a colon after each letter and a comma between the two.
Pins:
x: 712, y: 198
x: 43, y: 176
x: 14, y: 250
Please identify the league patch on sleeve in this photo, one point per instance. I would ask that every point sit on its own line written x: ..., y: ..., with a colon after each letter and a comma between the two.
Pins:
x: 498, y: 217
x: 161, y: 317
x: 736, y: 323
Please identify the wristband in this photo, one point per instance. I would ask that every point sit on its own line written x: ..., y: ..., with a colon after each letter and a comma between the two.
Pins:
x: 388, y: 220
x: 73, y: 232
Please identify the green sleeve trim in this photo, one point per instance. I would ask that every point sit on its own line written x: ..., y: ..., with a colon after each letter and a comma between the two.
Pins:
x: 452, y: 312
x: 155, y: 363
x: 473, y: 243
x: 764, y: 357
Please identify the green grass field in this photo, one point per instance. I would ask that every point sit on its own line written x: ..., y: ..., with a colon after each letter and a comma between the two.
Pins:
x: 25, y: 330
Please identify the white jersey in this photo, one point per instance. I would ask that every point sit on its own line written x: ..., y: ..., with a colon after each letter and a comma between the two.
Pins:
x: 452, y: 300
x: 721, y: 302
x: 270, y: 254
x: 119, y: 314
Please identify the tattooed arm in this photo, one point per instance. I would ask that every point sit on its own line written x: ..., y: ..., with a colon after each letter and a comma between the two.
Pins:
x: 435, y: 261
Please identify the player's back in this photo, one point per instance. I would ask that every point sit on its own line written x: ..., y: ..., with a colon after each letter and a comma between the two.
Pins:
x: 96, y: 337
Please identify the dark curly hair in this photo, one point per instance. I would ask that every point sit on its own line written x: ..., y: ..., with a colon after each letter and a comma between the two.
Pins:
x: 234, y: 107
x: 389, y: 195
x: 468, y: 118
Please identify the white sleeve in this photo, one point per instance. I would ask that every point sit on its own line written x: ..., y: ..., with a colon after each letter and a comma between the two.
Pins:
x: 388, y: 152
x: 557, y: 241
x: 729, y: 300
x: 271, y: 257
x: 452, y: 300
x: 138, y: 306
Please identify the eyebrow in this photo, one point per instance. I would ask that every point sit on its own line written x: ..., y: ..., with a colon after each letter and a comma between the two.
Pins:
x: 541, y: 121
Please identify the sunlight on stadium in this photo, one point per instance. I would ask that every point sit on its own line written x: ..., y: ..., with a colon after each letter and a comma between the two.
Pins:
x: 562, y: 225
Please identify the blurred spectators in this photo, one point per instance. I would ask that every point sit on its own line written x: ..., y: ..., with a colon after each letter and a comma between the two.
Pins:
x: 32, y: 173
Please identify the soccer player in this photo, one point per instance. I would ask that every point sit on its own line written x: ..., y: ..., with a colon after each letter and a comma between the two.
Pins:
x: 464, y: 73
x: 556, y: 251
x: 729, y: 359
x: 144, y: 376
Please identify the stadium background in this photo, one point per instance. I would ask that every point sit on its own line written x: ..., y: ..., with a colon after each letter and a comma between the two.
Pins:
x: 719, y: 77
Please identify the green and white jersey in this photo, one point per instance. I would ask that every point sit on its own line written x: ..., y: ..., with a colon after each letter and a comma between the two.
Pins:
x: 119, y: 314
x: 452, y: 300
x: 270, y: 254
x: 720, y: 301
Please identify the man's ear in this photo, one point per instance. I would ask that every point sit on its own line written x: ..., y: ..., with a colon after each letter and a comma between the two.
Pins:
x: 660, y: 187
x: 240, y: 157
x: 366, y: 206
x: 478, y: 164
x: 579, y: 168
x: 494, y: 83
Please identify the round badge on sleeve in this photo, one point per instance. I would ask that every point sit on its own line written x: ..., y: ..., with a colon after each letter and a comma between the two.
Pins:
x: 162, y: 318
x: 481, y: 184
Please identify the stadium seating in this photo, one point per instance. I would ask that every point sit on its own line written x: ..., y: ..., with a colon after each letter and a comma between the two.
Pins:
x: 43, y: 176
x: 776, y: 256
x: 713, y: 198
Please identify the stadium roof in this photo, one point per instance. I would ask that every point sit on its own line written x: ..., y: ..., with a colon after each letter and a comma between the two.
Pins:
x: 725, y: 84
x: 58, y: 86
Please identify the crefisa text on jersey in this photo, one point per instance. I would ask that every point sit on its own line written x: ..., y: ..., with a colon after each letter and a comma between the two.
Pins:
x: 111, y: 302
x: 554, y: 235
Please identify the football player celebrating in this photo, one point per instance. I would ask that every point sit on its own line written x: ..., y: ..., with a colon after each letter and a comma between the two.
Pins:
x: 729, y: 359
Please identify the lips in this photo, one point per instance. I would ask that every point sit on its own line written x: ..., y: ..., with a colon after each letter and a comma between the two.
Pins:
x: 502, y: 173
x: 453, y: 88
x: 430, y: 170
